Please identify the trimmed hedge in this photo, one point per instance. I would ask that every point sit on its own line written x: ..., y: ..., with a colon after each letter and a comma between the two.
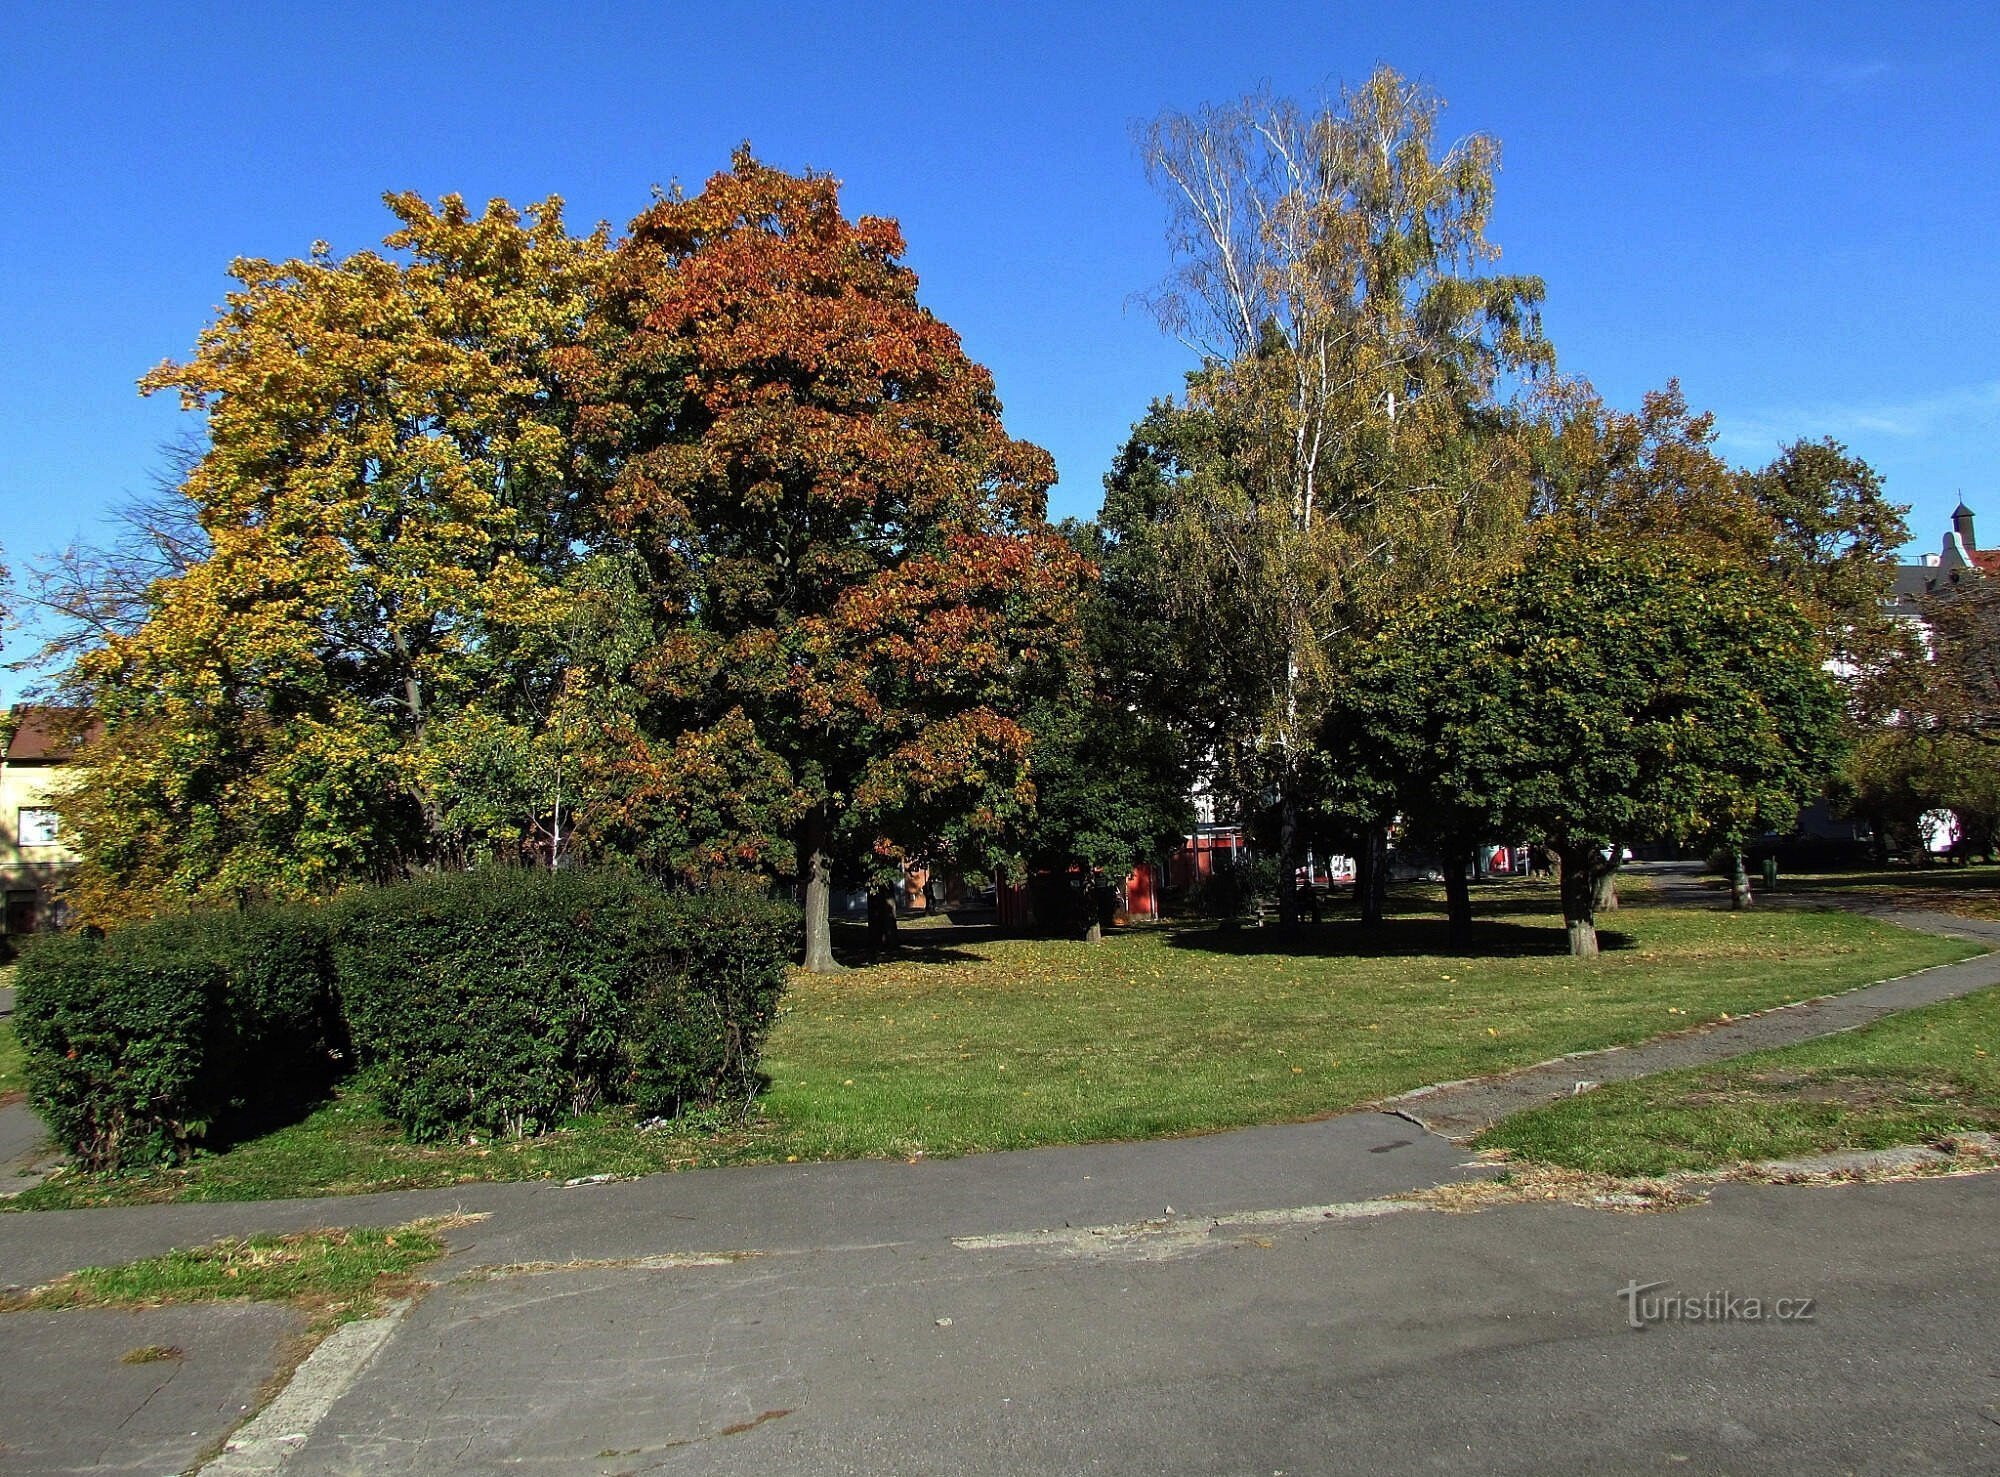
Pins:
x: 498, y: 1001
x: 508, y: 1000
x: 142, y: 1043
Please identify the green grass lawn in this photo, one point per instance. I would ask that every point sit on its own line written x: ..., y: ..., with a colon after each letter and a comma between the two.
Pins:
x: 13, y: 1079
x: 972, y: 1042
x: 335, y: 1275
x: 1909, y: 1079
x: 1972, y: 890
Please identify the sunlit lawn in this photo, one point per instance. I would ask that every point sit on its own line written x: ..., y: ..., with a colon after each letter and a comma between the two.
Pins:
x: 1971, y: 890
x: 1912, y: 1078
x: 972, y: 1042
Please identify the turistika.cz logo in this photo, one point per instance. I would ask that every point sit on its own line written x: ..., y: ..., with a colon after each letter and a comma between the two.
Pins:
x: 1646, y: 1304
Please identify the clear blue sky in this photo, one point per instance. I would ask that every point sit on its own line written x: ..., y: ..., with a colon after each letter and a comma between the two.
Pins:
x: 1792, y: 207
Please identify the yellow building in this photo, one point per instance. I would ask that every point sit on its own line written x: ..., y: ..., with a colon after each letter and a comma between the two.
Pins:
x: 34, y: 767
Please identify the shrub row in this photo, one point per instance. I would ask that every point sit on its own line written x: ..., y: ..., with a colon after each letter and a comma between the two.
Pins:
x: 142, y: 1043
x: 501, y: 1001
x: 509, y: 1000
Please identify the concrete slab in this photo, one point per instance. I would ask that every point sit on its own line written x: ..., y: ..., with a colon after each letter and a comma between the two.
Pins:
x: 794, y: 1207
x: 69, y: 1402
x: 1424, y: 1342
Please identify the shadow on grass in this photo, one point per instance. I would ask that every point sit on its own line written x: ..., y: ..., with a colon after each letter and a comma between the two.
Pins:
x: 1409, y: 932
x: 1394, y: 938
x: 1942, y: 878
x: 266, y: 1114
x: 948, y: 943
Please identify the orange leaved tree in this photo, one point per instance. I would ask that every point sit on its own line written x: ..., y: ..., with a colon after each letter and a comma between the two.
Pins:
x: 843, y: 555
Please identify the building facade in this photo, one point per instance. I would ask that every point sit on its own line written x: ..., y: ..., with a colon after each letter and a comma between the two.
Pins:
x: 35, y: 765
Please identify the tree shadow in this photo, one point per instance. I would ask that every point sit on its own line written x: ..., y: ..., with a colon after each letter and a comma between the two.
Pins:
x: 945, y: 943
x: 1396, y: 937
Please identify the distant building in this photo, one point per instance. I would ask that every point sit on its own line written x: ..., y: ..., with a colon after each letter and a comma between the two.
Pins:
x: 34, y: 766
x: 1959, y: 557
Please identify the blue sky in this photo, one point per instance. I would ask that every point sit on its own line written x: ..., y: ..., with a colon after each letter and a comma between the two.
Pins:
x: 1792, y: 208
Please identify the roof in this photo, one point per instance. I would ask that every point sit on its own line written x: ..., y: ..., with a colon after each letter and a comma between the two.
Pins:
x: 48, y: 735
x: 1986, y: 561
x: 1913, y: 580
x: 1961, y: 511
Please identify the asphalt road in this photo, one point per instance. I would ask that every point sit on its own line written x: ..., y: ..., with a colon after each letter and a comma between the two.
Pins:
x: 1283, y: 1340
x: 1416, y: 1342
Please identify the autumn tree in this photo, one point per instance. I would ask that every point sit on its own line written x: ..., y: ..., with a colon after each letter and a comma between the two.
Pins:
x: 371, y: 623
x: 1901, y: 776
x: 842, y: 553
x: 1356, y: 357
x: 1813, y: 526
x: 1938, y: 748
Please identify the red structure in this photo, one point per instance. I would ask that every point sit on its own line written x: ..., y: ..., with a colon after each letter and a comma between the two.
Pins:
x: 1142, y: 893
x: 1202, y: 852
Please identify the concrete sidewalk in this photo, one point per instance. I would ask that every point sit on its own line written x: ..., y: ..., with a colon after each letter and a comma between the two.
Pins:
x: 133, y: 1390
x: 802, y: 1207
x: 1419, y: 1342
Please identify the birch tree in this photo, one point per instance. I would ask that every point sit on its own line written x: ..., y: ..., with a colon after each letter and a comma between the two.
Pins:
x: 1331, y: 270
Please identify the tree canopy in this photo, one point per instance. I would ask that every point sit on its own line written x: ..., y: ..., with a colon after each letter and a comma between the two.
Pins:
x: 708, y: 550
x: 1596, y: 695
x: 843, y: 554
x: 1347, y: 442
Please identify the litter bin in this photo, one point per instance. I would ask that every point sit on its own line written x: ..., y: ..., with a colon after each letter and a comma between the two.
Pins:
x: 1770, y: 873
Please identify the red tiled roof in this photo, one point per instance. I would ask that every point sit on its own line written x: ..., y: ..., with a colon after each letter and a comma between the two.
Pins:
x: 49, y: 735
x: 1986, y: 561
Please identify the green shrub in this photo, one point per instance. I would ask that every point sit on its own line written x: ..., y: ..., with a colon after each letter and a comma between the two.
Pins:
x: 1234, y: 889
x: 116, y: 1041
x: 145, y: 1042
x: 285, y: 1041
x: 508, y: 1000
x: 502, y: 1001
x: 698, y: 1030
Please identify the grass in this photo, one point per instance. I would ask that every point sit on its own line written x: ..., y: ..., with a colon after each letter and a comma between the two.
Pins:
x: 1971, y: 890
x: 13, y: 1075
x: 1916, y: 1077
x: 334, y: 1275
x: 12, y: 1078
x: 971, y: 1042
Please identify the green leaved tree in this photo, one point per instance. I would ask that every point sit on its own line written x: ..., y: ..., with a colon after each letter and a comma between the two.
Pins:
x: 1598, y: 693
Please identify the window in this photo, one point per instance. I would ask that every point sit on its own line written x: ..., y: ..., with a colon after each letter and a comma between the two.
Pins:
x: 38, y: 826
x: 22, y: 915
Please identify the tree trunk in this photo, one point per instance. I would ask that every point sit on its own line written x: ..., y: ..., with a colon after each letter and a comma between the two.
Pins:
x: 881, y: 919
x: 1604, y: 884
x: 1371, y: 875
x: 1288, y: 861
x: 1739, y: 881
x: 1579, y: 886
x: 1458, y: 895
x: 817, y: 868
